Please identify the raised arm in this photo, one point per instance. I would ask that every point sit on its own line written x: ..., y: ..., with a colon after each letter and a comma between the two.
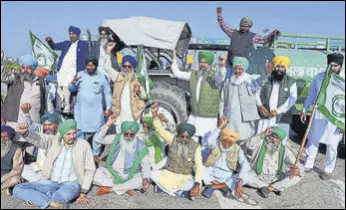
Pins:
x: 223, y: 25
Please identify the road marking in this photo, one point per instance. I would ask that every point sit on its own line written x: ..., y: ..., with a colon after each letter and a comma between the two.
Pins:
x: 226, y: 203
x: 340, y: 191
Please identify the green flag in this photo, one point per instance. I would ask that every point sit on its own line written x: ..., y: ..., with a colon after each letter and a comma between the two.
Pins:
x: 331, y: 101
x: 142, y: 72
x: 45, y: 56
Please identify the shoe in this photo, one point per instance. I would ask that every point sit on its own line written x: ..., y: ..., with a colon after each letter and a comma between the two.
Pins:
x: 326, y: 176
x: 263, y: 192
x: 104, y: 190
x: 208, y: 192
x: 7, y: 192
x: 29, y: 204
x: 226, y: 192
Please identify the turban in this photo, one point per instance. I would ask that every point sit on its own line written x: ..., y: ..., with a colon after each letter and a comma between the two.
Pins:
x: 105, y: 29
x: 246, y: 20
x: 41, y: 72
x: 280, y: 132
x: 92, y: 60
x: 185, y: 127
x: 130, y: 59
x: 243, y: 62
x: 149, y: 121
x: 66, y: 126
x: 336, y: 58
x: 28, y: 60
x: 207, y: 56
x: 10, y: 131
x: 74, y: 30
x: 133, y: 126
x: 53, y: 118
x: 284, y: 60
x: 228, y: 133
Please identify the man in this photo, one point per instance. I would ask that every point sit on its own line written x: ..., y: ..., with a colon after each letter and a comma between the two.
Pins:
x: 68, y: 171
x: 93, y: 90
x: 277, y: 97
x: 238, y: 99
x: 128, y: 166
x: 23, y: 88
x: 204, y: 94
x: 226, y: 168
x: 269, y: 160
x: 128, y: 96
x: 322, y: 131
x: 71, y: 61
x: 99, y: 50
x: 185, y: 157
x: 12, y: 161
x: 242, y: 40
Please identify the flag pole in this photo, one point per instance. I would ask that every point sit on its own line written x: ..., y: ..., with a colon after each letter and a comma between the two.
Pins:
x: 310, y: 122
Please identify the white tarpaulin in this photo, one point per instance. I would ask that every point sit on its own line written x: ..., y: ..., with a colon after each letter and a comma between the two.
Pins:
x: 153, y: 33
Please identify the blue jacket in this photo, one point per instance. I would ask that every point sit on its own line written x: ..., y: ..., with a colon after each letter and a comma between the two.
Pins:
x: 82, y: 52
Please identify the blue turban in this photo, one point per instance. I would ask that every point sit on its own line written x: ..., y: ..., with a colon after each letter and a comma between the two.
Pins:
x: 7, y: 129
x: 131, y: 60
x: 53, y: 118
x: 74, y: 30
x: 28, y: 60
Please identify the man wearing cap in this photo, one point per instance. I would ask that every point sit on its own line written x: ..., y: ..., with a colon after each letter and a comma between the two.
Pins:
x: 127, y: 166
x: 238, y: 99
x: 175, y: 176
x: 272, y: 163
x: 226, y: 168
x: 129, y: 96
x: 204, y: 94
x: 71, y: 61
x: 23, y: 87
x: 68, y: 171
x: 242, y: 40
x: 12, y: 161
x: 277, y: 97
x: 93, y: 92
x: 322, y: 130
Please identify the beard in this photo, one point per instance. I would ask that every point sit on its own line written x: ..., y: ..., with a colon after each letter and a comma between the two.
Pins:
x: 50, y: 131
x: 128, y: 145
x: 183, y: 150
x: 28, y: 77
x: 73, y: 40
x: 5, y: 148
x: 127, y: 76
x: 271, y: 147
x: 103, y: 42
x: 278, y: 75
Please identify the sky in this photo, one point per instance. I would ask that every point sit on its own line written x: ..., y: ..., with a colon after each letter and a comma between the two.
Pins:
x: 54, y: 18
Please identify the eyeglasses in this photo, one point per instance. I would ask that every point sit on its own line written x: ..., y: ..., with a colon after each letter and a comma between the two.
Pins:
x: 127, y: 67
x: 130, y: 135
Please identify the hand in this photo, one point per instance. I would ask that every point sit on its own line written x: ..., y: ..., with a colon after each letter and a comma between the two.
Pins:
x: 274, y: 113
x: 163, y: 118
x: 239, y: 189
x: 269, y: 67
x: 154, y: 109
x: 268, y: 132
x: 222, y: 61
x: 137, y: 89
x: 222, y: 122
x: 83, y: 200
x: 219, y: 9
x: 264, y: 111
x: 195, y: 190
x: 22, y: 128
x: 26, y: 108
x: 75, y: 79
x: 2, y: 55
x: 110, y: 47
x: 146, y: 185
x: 108, y: 113
x: 294, y: 172
x: 48, y: 38
x: 111, y: 120
x: 303, y: 117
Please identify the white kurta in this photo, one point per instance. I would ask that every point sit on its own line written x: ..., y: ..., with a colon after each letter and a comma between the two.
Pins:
x: 68, y: 67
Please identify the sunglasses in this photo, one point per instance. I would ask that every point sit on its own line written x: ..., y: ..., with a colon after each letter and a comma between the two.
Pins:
x: 127, y: 67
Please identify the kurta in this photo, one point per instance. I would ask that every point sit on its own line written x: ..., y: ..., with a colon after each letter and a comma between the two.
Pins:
x: 69, y: 66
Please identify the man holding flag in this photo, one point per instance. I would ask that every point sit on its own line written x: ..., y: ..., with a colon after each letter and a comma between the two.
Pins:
x: 328, y: 125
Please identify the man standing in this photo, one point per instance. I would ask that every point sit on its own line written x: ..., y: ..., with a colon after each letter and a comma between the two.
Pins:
x: 242, y: 40
x: 277, y: 97
x: 12, y: 161
x: 185, y: 156
x: 71, y: 61
x: 128, y: 165
x: 322, y: 131
x: 204, y: 94
x: 68, y: 171
x: 93, y: 90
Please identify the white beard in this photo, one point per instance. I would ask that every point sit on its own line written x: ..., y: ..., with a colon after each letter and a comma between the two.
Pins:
x: 5, y: 148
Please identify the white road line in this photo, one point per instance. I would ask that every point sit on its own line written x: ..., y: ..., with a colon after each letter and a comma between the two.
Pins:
x: 340, y: 191
x: 226, y: 203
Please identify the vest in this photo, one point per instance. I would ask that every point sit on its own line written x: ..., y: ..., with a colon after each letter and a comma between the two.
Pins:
x: 241, y: 45
x: 7, y: 161
x: 209, y: 97
x: 178, y: 164
x: 232, y: 157
x: 284, y: 94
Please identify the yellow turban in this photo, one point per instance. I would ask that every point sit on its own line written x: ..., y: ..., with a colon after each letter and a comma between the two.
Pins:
x: 228, y: 133
x: 284, y: 60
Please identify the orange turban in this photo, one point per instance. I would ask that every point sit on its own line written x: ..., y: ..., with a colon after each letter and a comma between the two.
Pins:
x: 228, y: 133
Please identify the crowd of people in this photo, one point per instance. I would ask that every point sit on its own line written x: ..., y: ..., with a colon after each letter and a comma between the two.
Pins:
x: 53, y: 128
